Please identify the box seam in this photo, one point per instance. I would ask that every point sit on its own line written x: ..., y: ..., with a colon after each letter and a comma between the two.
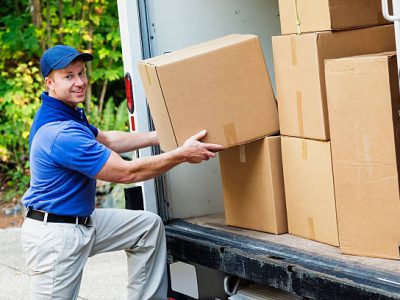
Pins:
x: 166, y: 106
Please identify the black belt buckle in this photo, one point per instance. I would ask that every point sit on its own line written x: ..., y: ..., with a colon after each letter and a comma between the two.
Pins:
x: 85, y: 221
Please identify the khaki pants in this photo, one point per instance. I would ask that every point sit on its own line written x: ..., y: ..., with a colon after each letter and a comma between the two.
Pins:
x: 56, y: 253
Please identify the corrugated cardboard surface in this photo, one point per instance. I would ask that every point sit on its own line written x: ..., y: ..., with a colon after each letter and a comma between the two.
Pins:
x: 310, y: 198
x: 222, y: 86
x: 364, y: 106
x: 253, y: 188
x: 300, y: 79
x: 319, y: 15
x: 159, y: 112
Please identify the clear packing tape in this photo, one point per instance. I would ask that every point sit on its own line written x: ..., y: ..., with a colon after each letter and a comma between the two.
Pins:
x: 298, y: 21
x: 299, y: 97
x: 230, y: 134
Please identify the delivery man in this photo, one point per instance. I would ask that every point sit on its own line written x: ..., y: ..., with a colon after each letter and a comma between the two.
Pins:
x: 62, y: 228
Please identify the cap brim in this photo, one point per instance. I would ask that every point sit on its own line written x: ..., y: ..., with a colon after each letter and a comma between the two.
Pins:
x: 67, y: 60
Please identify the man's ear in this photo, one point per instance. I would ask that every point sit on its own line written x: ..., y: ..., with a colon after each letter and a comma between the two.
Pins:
x: 49, y: 82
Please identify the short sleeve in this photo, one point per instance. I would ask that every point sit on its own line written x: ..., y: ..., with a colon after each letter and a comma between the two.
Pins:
x: 94, y: 130
x: 75, y: 148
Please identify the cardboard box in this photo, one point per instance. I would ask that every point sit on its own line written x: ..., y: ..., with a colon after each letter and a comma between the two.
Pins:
x: 310, y: 197
x: 252, y: 182
x: 221, y: 85
x: 300, y: 78
x: 364, y: 106
x: 320, y: 15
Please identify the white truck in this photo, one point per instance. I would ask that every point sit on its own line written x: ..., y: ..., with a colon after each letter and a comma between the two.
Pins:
x: 209, y: 260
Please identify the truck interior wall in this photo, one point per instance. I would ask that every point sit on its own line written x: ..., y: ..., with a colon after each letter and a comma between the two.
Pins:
x: 195, y: 190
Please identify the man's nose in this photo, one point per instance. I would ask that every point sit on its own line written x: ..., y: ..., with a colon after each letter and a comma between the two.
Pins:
x: 79, y: 81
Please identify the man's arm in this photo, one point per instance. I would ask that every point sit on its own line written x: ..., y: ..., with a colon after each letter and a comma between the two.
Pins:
x: 121, y: 171
x: 121, y: 142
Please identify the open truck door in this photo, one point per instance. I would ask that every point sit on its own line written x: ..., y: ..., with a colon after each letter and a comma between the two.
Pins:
x: 207, y: 259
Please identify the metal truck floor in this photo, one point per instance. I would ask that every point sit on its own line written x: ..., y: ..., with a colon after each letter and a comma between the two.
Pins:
x: 306, y: 268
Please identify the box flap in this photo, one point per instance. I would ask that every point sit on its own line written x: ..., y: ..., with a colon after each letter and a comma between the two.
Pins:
x: 158, y: 107
x: 199, y: 49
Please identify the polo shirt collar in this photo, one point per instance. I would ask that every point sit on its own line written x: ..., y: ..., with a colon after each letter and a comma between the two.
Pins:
x: 53, y: 110
x: 76, y: 114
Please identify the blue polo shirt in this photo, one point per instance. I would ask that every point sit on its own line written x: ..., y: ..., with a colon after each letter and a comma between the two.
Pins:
x: 64, y: 159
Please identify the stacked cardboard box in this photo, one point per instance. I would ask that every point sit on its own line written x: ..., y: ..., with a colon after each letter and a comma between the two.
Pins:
x: 253, y: 189
x: 300, y: 79
x: 301, y: 94
x: 319, y: 15
x: 309, y: 190
x: 223, y: 86
x: 364, y: 106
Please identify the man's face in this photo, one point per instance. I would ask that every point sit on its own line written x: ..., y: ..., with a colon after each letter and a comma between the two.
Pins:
x: 69, y: 84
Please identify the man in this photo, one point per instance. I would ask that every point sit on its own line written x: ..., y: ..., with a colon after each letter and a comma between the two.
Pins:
x: 67, y: 154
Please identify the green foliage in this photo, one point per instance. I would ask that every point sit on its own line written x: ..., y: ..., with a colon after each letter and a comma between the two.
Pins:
x: 18, y: 102
x: 112, y: 118
x: 121, y: 118
x: 108, y: 115
x: 25, y: 32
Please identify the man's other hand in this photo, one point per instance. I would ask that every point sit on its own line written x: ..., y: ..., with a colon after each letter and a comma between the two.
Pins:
x: 195, y: 151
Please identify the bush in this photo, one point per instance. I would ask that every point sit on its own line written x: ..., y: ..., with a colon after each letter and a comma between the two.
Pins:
x: 27, y: 28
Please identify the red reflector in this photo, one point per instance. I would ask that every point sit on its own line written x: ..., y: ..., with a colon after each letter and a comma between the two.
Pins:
x: 133, y: 127
x: 129, y: 93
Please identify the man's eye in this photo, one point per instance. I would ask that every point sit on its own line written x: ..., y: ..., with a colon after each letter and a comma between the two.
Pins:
x: 68, y: 76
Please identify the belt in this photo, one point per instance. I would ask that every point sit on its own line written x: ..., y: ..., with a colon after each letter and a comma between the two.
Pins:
x: 53, y: 218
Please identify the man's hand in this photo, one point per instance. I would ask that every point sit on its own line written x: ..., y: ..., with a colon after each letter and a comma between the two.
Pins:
x: 195, y: 151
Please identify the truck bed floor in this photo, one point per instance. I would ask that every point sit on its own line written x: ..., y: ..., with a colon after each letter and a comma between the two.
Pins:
x: 306, y: 268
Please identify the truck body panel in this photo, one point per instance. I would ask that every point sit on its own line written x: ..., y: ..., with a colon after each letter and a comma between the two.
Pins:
x: 189, y: 198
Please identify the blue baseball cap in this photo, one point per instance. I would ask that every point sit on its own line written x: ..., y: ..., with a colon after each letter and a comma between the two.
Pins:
x: 59, y: 57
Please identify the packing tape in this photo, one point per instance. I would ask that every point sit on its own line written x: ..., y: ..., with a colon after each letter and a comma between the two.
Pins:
x: 298, y: 22
x: 311, y: 228
x: 300, y: 120
x: 294, y: 52
x: 230, y: 134
x: 242, y: 153
x: 304, y: 149
x: 147, y: 74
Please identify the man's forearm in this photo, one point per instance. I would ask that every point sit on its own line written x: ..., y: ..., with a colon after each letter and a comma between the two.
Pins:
x: 192, y: 151
x: 149, y: 167
x: 121, y: 142
x: 118, y: 170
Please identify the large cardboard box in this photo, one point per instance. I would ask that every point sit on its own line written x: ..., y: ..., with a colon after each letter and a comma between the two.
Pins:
x: 252, y: 182
x: 364, y: 106
x: 221, y: 85
x: 310, y: 197
x: 320, y: 15
x: 300, y: 78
